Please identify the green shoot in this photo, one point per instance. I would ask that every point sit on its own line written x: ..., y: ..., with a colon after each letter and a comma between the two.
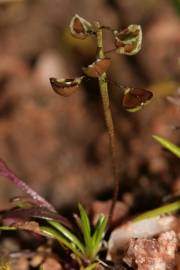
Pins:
x: 67, y: 234
x: 47, y: 231
x: 168, y: 145
x: 86, y: 230
x: 85, y: 250
x: 166, y: 209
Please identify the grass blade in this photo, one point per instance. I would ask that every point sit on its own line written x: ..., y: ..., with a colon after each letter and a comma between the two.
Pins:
x: 49, y: 232
x: 85, y: 226
x: 166, y: 209
x: 67, y: 234
x: 99, y: 233
x: 86, y: 230
x: 168, y: 145
x: 100, y: 229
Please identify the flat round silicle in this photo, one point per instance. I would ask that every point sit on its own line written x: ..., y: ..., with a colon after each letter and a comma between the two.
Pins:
x: 65, y: 87
x: 97, y: 68
x: 135, y: 98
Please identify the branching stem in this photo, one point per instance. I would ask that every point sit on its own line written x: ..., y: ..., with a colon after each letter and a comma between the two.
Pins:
x: 103, y: 85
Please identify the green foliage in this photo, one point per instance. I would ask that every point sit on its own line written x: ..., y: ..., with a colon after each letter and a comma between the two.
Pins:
x: 168, y: 145
x: 126, y: 41
x: 166, y: 209
x: 84, y: 249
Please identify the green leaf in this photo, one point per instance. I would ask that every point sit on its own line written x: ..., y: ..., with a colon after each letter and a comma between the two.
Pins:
x: 86, y: 230
x: 168, y: 145
x: 61, y: 239
x: 67, y: 234
x: 166, y: 209
x: 99, y: 233
x: 85, y: 225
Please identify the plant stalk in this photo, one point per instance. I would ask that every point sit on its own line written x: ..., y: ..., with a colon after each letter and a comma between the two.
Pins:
x: 108, y: 119
x: 165, y: 209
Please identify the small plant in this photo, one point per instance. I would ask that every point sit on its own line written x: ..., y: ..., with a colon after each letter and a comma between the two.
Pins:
x: 84, y: 251
x: 30, y: 212
x: 126, y: 42
x: 34, y: 213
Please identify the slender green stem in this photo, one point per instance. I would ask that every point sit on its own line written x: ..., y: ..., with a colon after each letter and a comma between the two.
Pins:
x: 165, y: 209
x: 108, y: 119
x: 168, y: 145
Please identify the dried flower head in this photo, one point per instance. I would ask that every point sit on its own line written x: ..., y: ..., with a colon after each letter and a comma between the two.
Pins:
x: 80, y: 28
x: 129, y: 40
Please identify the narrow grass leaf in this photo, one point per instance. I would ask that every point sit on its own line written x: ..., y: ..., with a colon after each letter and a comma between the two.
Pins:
x: 99, y: 233
x: 168, y: 145
x: 166, y: 209
x: 49, y: 232
x: 86, y: 231
x: 100, y: 229
x: 85, y: 225
x: 67, y: 234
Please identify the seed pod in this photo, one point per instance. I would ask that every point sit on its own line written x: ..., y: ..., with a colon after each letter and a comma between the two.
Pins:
x: 135, y: 98
x: 97, y: 68
x: 129, y: 40
x: 80, y: 28
x: 65, y: 87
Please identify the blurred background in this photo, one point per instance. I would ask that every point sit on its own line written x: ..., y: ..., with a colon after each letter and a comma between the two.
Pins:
x: 60, y: 145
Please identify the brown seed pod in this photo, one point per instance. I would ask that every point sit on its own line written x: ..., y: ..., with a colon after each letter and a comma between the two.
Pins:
x: 129, y: 40
x: 97, y: 68
x: 80, y: 28
x: 65, y: 87
x: 135, y: 98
